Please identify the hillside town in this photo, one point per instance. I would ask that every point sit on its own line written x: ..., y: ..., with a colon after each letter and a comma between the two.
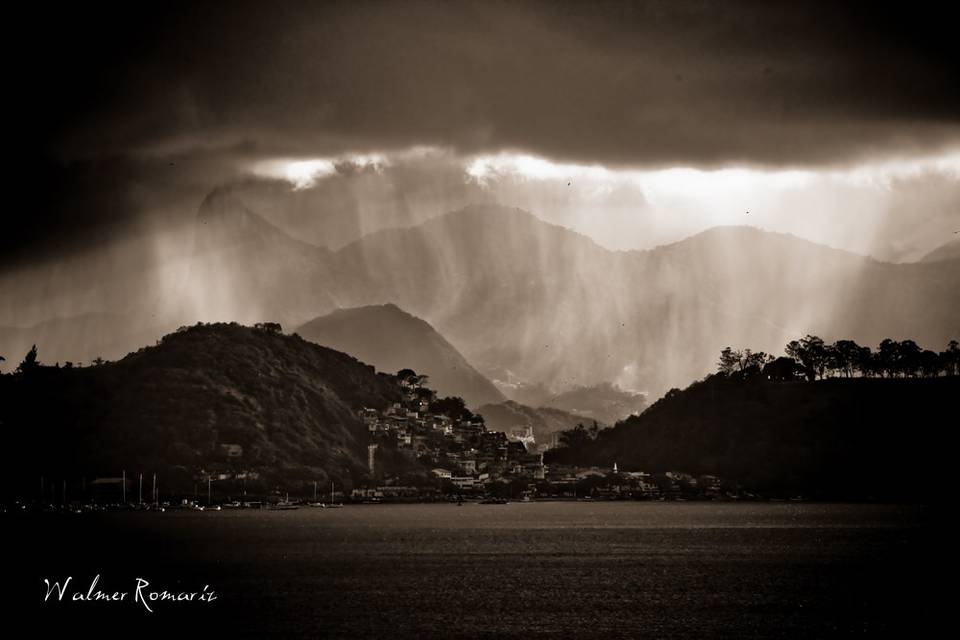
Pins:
x: 465, y: 459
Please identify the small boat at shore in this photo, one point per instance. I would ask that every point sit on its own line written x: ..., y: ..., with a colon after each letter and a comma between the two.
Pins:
x: 283, y: 505
x: 332, y: 505
x: 494, y: 501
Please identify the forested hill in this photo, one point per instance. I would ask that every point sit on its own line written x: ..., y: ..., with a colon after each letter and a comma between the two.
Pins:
x: 290, y: 404
x: 857, y: 438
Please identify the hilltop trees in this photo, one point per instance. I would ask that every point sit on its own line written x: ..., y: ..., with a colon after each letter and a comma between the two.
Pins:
x: 845, y: 356
x: 783, y: 369
x: 930, y: 363
x: 741, y: 361
x: 905, y: 359
x: 950, y: 358
x: 864, y: 361
x: 811, y: 353
x: 813, y: 359
x: 269, y: 327
x: 887, y: 358
x: 729, y: 360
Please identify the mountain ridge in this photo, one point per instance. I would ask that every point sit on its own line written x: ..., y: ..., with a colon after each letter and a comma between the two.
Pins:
x: 948, y: 251
x: 543, y: 421
x: 523, y: 297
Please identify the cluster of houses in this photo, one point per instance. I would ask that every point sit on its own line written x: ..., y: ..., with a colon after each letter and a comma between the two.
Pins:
x: 459, y: 449
x: 612, y: 484
x: 465, y: 458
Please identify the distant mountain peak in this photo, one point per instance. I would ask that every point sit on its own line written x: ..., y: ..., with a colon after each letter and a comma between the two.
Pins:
x: 221, y: 201
x: 225, y: 219
x: 743, y: 235
x: 392, y: 339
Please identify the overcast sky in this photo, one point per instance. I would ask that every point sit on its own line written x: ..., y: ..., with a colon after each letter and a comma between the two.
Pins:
x: 840, y: 122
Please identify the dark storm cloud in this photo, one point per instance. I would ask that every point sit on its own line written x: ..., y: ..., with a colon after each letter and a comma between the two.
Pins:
x: 689, y: 83
x: 107, y: 96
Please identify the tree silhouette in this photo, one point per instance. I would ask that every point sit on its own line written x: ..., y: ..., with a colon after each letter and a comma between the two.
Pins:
x: 29, y: 361
x: 733, y: 361
x: 864, y: 361
x: 930, y: 363
x: 811, y: 353
x: 888, y: 355
x: 729, y: 360
x: 950, y: 358
x: 843, y: 356
x: 783, y: 369
x: 576, y: 437
x: 269, y: 327
x: 751, y: 360
x: 908, y: 359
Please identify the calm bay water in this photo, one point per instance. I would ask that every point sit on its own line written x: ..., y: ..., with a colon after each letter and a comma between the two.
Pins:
x: 562, y: 570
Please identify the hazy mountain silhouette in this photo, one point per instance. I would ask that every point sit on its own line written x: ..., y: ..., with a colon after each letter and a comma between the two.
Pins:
x: 391, y: 339
x: 947, y: 251
x: 605, y: 402
x: 243, y: 268
x: 544, y: 421
x: 524, y: 300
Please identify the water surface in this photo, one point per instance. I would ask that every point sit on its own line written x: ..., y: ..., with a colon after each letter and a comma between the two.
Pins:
x: 564, y: 570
